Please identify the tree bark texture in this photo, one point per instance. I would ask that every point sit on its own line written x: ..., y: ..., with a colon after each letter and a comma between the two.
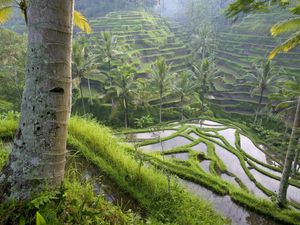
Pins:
x: 38, y: 155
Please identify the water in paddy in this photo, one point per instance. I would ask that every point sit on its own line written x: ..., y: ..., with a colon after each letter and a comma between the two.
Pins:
x: 249, y: 147
x: 207, y: 122
x: 273, y: 185
x: 225, y: 206
x: 204, y: 126
x: 273, y: 172
x: 150, y: 135
x: 233, y: 166
x: 181, y: 156
x: 201, y: 147
x: 194, y: 135
x: 166, y: 145
x: 205, y: 165
x: 229, y: 135
x: 230, y: 179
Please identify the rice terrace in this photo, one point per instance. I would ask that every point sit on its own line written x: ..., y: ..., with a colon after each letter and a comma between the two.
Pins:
x: 149, y: 112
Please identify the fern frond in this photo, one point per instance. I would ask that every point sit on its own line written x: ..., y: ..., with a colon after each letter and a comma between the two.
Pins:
x: 286, y: 26
x: 81, y: 22
x: 286, y: 46
x: 5, y: 14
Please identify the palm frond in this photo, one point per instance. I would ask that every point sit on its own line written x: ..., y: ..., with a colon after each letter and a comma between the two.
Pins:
x: 286, y: 26
x: 81, y: 22
x: 286, y: 46
x: 5, y: 14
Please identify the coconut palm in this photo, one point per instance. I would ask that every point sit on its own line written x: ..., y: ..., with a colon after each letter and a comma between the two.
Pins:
x: 160, y: 77
x: 144, y: 93
x: 83, y: 65
x: 124, y: 86
x: 287, y: 99
x: 184, y: 88
x: 38, y: 155
x: 202, y: 41
x: 204, y: 74
x: 108, y: 51
x: 7, y: 6
x: 287, y: 26
x: 265, y: 77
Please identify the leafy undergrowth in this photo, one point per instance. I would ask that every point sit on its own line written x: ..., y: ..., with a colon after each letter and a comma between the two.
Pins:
x: 76, y: 203
x: 73, y: 203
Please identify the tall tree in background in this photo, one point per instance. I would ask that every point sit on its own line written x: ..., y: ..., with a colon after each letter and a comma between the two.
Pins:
x: 184, y: 88
x: 287, y: 103
x: 293, y: 25
x: 109, y: 52
x: 12, y: 64
x: 161, y: 78
x: 38, y: 154
x: 265, y: 77
x: 124, y: 85
x: 83, y: 64
x: 204, y: 74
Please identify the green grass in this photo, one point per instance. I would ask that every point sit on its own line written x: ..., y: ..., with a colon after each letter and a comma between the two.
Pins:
x: 147, y: 185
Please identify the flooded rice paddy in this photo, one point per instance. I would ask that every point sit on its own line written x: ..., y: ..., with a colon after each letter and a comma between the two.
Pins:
x: 235, y: 162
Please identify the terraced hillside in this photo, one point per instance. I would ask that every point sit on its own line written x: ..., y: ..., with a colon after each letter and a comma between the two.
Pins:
x: 221, y: 157
x: 143, y: 38
x: 239, y: 47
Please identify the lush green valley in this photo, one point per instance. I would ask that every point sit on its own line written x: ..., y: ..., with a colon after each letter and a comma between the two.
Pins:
x: 149, y: 112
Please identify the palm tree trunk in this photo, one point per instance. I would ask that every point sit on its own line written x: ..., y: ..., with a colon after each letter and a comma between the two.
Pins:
x: 259, y: 104
x: 160, y: 105
x: 289, y: 159
x: 294, y: 168
x: 110, y: 82
x: 181, y: 102
x: 38, y: 155
x: 126, y: 112
x: 81, y: 96
x: 89, y: 86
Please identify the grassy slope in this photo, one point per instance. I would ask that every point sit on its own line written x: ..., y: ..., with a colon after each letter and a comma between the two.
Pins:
x: 147, y: 185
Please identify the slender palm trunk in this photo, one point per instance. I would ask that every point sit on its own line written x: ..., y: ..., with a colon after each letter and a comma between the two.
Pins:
x: 259, y: 104
x: 89, y: 86
x: 181, y: 102
x: 284, y: 182
x: 295, y: 164
x: 160, y: 104
x: 110, y: 81
x: 38, y: 155
x: 126, y: 112
x: 81, y: 96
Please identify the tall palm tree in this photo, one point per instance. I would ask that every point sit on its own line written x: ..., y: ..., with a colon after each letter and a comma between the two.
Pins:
x: 203, y: 41
x: 288, y: 104
x: 292, y: 25
x: 124, y: 85
x: 265, y: 78
x: 83, y: 64
x: 38, y: 155
x: 204, y: 75
x: 7, y: 6
x: 109, y: 52
x: 161, y: 78
x: 287, y: 26
x: 184, y: 88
